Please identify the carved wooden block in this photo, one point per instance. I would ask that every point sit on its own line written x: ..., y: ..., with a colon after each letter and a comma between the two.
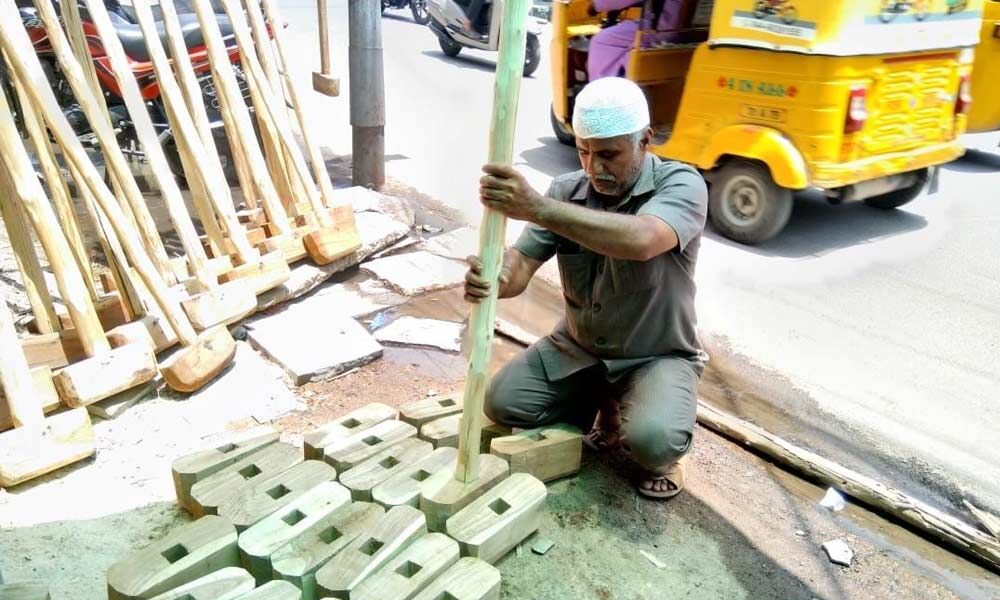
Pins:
x: 353, y: 422
x: 366, y: 554
x: 547, y: 452
x: 499, y: 519
x: 468, y: 579
x: 225, y: 584
x: 275, y: 590
x: 282, y: 526
x: 27, y: 452
x: 348, y: 452
x: 366, y: 475
x: 411, y: 570
x: 34, y: 590
x: 208, y: 494
x: 298, y: 560
x: 420, y: 412
x: 441, y: 495
x: 185, y: 554
x: 404, y: 487
x: 443, y: 432
x: 190, y: 469
x: 268, y: 495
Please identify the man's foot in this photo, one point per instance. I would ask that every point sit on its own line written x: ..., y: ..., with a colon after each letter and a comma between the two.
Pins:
x: 662, y: 487
x: 603, y: 440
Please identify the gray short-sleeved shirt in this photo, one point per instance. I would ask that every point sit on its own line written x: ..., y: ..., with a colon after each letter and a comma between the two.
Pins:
x: 622, y: 312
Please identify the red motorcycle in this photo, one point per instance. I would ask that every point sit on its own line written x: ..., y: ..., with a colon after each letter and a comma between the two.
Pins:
x: 135, y: 49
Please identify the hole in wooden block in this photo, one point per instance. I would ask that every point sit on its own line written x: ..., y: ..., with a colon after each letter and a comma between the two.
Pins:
x: 499, y: 506
x: 388, y: 462
x: 278, y: 491
x: 446, y: 402
x: 350, y: 423
x: 226, y: 448
x: 420, y: 475
x: 187, y: 597
x: 293, y: 517
x: 371, y: 440
x: 408, y: 569
x: 330, y: 535
x: 445, y: 596
x: 174, y: 553
x: 249, y: 471
x: 538, y: 437
x: 371, y: 546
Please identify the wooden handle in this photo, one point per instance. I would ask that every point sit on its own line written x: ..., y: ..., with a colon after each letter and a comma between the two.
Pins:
x: 507, y: 87
x: 236, y: 116
x: 265, y: 52
x: 93, y: 106
x: 308, y: 134
x: 15, y: 376
x: 24, y: 61
x: 29, y: 191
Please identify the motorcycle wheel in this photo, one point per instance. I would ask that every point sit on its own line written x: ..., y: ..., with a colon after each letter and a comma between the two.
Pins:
x: 449, y: 47
x: 419, y: 10
x: 532, y: 55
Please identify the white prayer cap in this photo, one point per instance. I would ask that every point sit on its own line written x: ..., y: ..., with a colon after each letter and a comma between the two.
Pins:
x: 609, y: 107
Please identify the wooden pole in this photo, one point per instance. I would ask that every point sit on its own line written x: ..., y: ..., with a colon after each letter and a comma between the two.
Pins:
x: 507, y: 87
x: 944, y: 528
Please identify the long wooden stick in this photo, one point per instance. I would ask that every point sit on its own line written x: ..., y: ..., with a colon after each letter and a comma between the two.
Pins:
x: 100, y: 122
x: 943, y: 527
x: 18, y: 231
x: 237, y: 118
x: 507, y: 87
x: 19, y: 49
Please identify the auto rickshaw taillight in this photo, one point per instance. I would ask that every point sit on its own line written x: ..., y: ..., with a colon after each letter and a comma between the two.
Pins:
x: 857, y: 110
x: 964, y: 98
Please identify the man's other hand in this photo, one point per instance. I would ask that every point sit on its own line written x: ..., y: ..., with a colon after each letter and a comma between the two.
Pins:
x: 476, y: 286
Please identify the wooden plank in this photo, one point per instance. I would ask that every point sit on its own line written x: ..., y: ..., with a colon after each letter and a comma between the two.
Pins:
x: 192, y: 468
x: 548, y: 453
x: 105, y: 375
x: 350, y: 451
x: 61, y: 439
x: 339, y: 577
x: 267, y: 273
x: 298, y: 560
x: 404, y: 487
x: 44, y: 390
x: 268, y: 495
x: 343, y: 427
x: 441, y: 495
x: 499, y: 519
x: 467, y: 579
x: 207, y: 494
x: 411, y: 570
x: 229, y: 583
x: 422, y: 411
x: 35, y: 590
x: 283, y: 526
x: 274, y: 590
x: 185, y: 554
x: 362, y: 478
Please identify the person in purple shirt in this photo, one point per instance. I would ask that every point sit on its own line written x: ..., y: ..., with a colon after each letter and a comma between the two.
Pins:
x: 610, y: 47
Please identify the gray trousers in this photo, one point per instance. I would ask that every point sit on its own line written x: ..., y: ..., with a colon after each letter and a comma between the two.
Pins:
x: 658, y: 402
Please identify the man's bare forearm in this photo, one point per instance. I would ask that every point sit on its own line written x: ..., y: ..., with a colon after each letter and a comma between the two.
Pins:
x: 522, y: 268
x: 627, y: 237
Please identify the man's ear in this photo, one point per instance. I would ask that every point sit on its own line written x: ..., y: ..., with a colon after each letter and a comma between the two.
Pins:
x: 647, y: 138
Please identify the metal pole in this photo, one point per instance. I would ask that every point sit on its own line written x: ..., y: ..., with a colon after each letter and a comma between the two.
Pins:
x: 364, y: 21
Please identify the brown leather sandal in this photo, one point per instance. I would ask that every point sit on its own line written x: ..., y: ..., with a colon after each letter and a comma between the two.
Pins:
x: 674, y: 476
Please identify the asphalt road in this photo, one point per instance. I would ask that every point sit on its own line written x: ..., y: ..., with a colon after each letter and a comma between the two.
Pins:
x: 883, y: 327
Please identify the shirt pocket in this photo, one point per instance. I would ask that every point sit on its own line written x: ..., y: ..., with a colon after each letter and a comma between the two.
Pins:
x: 575, y: 275
x: 632, y: 276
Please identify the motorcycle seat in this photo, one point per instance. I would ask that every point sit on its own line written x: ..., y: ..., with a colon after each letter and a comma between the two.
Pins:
x: 135, y: 44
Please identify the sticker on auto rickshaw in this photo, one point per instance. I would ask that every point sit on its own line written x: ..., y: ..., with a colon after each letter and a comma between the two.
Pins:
x: 847, y: 28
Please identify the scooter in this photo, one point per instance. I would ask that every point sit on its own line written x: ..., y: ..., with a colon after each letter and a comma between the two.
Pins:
x: 417, y: 7
x: 470, y: 24
x: 135, y: 49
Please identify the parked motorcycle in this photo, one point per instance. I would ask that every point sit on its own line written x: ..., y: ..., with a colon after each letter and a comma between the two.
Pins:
x: 471, y: 24
x: 417, y: 7
x: 138, y: 56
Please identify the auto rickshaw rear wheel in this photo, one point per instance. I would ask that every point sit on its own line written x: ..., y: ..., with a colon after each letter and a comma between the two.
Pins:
x: 449, y: 47
x: 897, y: 198
x: 564, y: 135
x: 745, y: 204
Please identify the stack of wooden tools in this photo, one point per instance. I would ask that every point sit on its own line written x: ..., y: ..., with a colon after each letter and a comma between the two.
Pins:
x: 103, y: 335
x: 356, y: 514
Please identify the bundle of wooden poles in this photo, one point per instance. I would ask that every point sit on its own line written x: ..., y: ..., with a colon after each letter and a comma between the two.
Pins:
x: 147, y: 312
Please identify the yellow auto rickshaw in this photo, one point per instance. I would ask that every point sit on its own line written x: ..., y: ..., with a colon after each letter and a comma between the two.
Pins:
x: 857, y: 98
x: 985, y: 112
